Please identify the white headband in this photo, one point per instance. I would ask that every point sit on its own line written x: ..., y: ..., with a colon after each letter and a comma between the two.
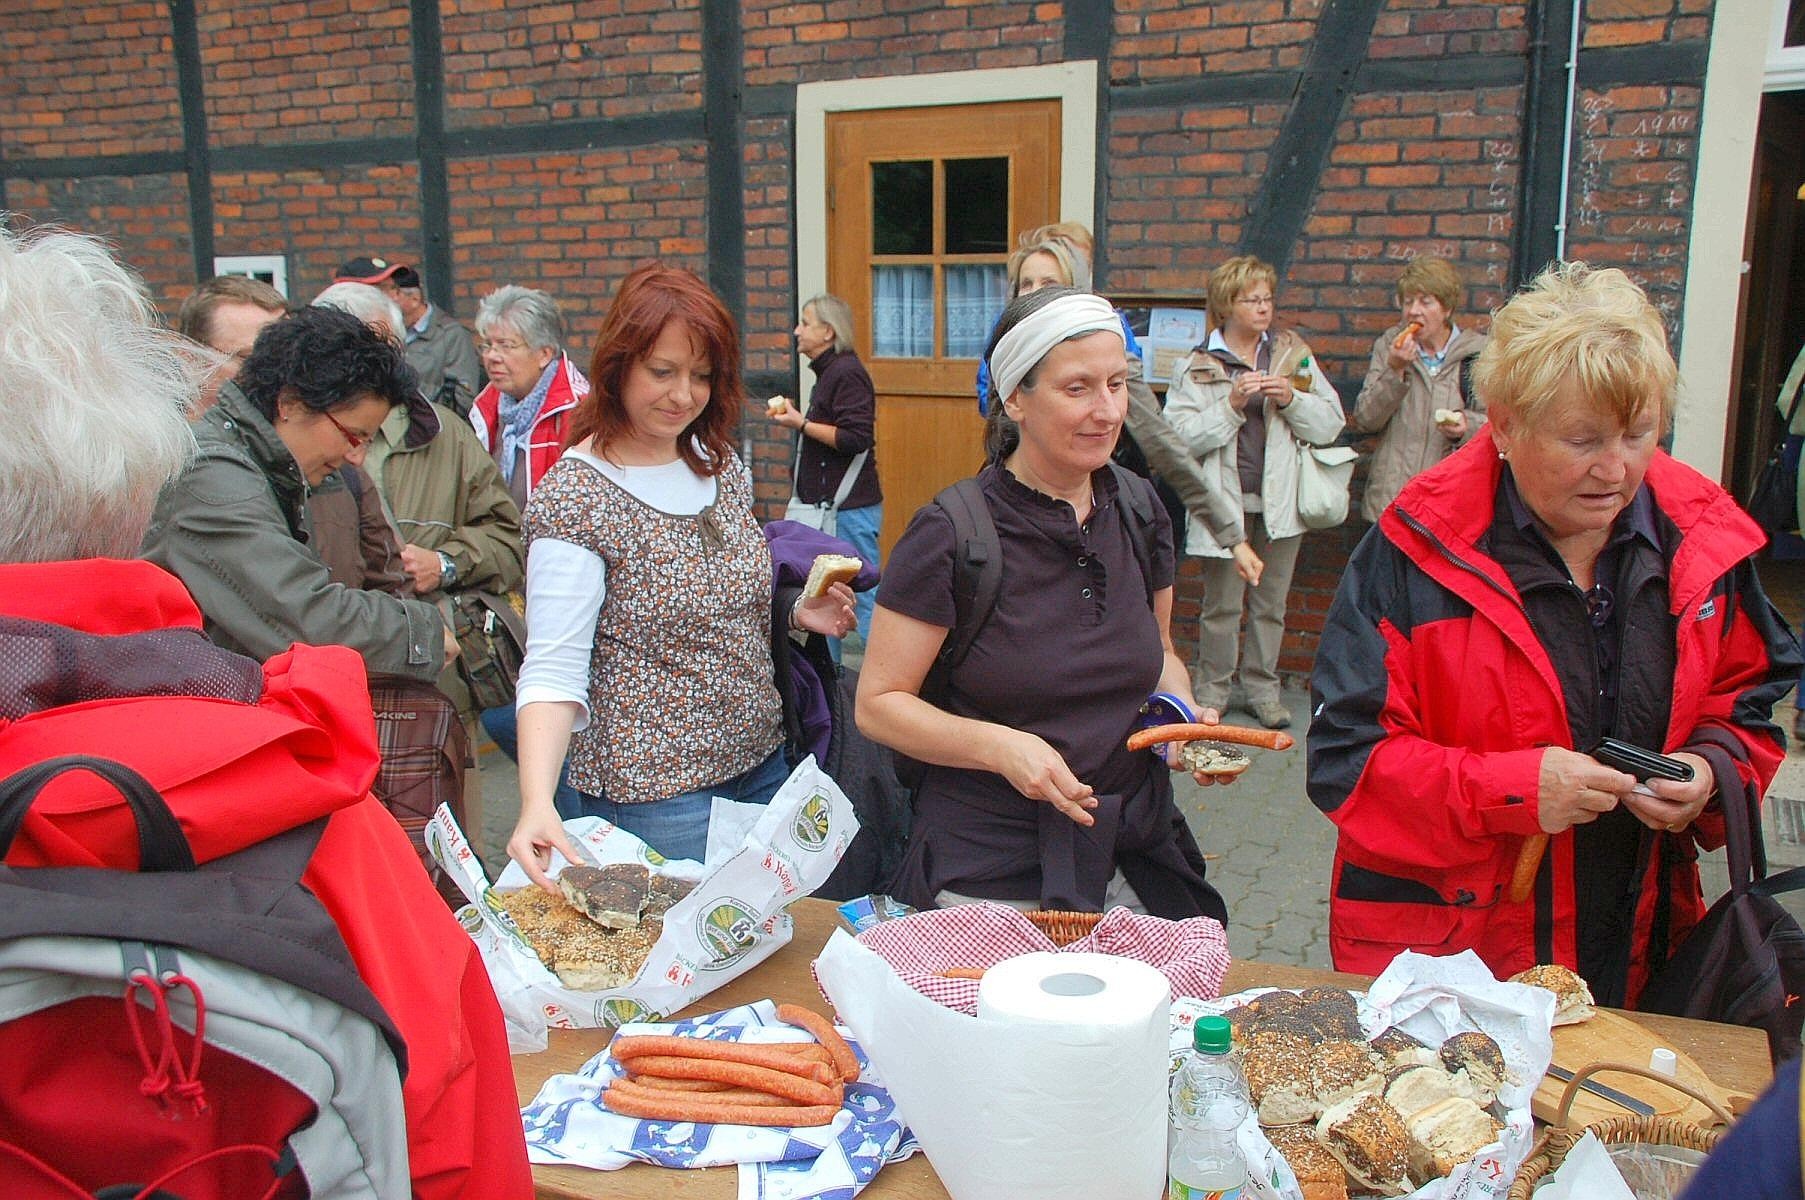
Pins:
x: 1034, y: 335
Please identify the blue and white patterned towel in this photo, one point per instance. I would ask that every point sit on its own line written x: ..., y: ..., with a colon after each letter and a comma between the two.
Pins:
x: 567, y: 1125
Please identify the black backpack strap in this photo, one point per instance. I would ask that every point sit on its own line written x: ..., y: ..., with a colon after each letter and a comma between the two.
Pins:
x: 977, y: 566
x: 162, y: 846
x: 1137, y: 510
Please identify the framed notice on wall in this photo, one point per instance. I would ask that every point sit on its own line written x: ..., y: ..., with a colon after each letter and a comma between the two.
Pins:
x: 1168, y: 327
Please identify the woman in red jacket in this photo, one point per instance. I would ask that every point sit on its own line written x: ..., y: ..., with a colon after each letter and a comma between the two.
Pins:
x: 1557, y: 581
x: 240, y: 750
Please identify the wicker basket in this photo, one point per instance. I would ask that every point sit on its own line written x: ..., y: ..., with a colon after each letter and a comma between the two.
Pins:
x: 1064, y: 928
x: 1559, y: 1137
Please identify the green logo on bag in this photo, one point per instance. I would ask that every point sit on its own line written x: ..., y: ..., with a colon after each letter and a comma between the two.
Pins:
x: 812, y: 819
x: 619, y: 1011
x: 729, y: 930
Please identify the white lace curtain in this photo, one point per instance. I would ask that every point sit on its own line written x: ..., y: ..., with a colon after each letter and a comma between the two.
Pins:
x: 902, y: 309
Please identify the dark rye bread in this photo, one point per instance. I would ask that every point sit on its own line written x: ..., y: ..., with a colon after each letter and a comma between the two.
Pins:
x: 614, y: 896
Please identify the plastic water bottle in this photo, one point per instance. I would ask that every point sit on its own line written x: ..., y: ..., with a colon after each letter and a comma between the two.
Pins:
x: 1209, y: 1102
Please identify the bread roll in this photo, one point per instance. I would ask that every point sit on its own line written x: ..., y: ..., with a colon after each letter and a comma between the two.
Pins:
x: 1213, y: 758
x: 1319, y: 1174
x: 1572, y: 998
x: 829, y: 569
x: 1369, y: 1139
x: 1446, y: 1134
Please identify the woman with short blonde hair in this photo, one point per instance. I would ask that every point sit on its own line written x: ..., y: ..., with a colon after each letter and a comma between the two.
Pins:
x: 1557, y: 582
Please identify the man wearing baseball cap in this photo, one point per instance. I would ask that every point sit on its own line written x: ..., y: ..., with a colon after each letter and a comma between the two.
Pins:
x: 439, y: 348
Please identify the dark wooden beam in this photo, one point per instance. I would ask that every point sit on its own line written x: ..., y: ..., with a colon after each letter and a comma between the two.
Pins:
x: 185, y: 40
x: 1087, y: 38
x: 1659, y: 62
x: 1206, y: 89
x: 1301, y: 150
x: 1535, y: 239
x: 309, y: 156
x: 432, y: 177
x: 722, y: 80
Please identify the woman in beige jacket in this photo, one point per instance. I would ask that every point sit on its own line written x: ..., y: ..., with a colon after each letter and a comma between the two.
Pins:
x: 1418, y: 373
x: 1242, y: 402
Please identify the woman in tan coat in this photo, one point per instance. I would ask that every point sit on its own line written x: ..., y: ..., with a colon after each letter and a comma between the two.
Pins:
x: 1418, y: 373
x: 1242, y: 401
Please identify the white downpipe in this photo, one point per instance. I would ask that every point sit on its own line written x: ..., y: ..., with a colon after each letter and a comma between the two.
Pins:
x: 1560, y: 228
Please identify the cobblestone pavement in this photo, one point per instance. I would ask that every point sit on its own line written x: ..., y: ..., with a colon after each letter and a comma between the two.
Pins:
x: 1270, y: 848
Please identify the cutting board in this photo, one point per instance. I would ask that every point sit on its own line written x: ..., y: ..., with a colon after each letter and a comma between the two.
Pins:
x: 1607, y: 1037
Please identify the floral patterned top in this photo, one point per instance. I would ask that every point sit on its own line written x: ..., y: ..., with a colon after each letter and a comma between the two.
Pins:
x: 681, y: 688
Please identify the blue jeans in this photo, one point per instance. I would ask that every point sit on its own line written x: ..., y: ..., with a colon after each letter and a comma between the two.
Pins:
x: 504, y: 729
x: 860, y: 527
x: 678, y: 827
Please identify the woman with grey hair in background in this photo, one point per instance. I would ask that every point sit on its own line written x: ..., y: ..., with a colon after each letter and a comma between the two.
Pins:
x: 836, y: 463
x: 523, y: 414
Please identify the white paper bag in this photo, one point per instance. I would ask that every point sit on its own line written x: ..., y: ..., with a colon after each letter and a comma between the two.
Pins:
x: 731, y: 922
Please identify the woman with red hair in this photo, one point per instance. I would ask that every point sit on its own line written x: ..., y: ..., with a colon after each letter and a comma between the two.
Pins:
x: 649, y: 590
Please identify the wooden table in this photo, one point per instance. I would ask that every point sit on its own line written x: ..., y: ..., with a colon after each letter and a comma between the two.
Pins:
x: 1734, y: 1056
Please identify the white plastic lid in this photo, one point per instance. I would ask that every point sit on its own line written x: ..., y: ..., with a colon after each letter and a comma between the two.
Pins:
x: 1664, y: 1061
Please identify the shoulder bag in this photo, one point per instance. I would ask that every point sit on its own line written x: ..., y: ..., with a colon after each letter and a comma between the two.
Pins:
x: 491, y: 633
x: 1774, y: 499
x: 1323, y: 474
x: 824, y: 515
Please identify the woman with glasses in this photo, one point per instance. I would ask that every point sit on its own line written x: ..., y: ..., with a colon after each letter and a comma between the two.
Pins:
x: 524, y: 414
x: 309, y: 398
x: 1556, y: 581
x: 1242, y: 401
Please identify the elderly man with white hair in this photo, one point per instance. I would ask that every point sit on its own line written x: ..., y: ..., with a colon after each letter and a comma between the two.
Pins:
x: 94, y: 396
x: 1029, y: 796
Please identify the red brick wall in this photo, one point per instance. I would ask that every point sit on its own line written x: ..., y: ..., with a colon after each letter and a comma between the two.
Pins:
x: 144, y: 216
x: 843, y: 39
x: 94, y: 79
x: 1157, y: 40
x: 319, y: 218
x: 573, y: 224
x: 307, y: 70
x: 508, y: 63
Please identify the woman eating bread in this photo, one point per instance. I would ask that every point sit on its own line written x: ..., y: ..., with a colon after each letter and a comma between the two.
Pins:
x: 649, y: 590
x: 1555, y: 582
x: 1030, y: 795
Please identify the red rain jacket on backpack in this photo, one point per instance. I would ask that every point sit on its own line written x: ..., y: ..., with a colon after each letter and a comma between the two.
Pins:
x: 1432, y: 698
x: 235, y: 774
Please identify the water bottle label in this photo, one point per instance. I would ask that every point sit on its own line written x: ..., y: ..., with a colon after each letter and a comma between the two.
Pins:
x: 1184, y: 1191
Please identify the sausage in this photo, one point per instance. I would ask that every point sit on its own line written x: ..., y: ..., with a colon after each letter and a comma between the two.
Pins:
x: 651, y: 1087
x: 845, y: 1061
x: 1529, y: 861
x: 679, y: 1085
x: 961, y: 973
x: 1409, y: 331
x: 1239, y: 735
x: 777, y: 1058
x: 692, y: 1108
x: 815, y: 1088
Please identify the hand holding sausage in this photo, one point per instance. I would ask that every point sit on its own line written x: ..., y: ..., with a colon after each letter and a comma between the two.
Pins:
x: 1403, y: 347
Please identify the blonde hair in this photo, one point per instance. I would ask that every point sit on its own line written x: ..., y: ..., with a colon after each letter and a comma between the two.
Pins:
x: 1077, y: 239
x: 1057, y: 250
x: 1573, y: 324
x: 1431, y: 277
x: 1231, y: 279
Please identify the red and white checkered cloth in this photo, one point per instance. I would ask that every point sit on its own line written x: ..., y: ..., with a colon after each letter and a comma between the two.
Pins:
x: 1192, y: 954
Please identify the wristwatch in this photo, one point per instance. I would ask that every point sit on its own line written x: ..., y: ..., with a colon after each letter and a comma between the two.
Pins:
x: 448, y: 569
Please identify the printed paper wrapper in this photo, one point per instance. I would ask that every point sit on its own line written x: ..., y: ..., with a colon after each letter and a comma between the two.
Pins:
x: 731, y: 922
x: 1432, y: 999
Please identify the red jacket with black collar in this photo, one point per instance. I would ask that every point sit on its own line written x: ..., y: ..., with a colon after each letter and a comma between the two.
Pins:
x: 1433, y: 698
x: 546, y: 442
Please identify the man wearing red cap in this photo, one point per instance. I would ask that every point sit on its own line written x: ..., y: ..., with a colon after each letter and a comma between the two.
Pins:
x: 439, y: 348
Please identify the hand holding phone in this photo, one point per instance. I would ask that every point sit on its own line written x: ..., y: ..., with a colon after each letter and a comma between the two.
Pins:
x: 1645, y: 765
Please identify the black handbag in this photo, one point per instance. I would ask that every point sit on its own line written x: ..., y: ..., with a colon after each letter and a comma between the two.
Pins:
x: 1774, y: 499
x: 1744, y: 963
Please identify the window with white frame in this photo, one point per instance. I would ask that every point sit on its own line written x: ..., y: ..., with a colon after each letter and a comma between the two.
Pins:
x: 270, y: 268
x: 1786, y: 47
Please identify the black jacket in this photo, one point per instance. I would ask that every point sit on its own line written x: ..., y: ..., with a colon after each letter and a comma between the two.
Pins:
x: 844, y: 398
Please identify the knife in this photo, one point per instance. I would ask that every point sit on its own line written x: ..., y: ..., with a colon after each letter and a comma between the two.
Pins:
x: 1639, y: 1107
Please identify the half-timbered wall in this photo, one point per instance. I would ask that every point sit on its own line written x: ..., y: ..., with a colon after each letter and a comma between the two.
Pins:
x: 556, y: 144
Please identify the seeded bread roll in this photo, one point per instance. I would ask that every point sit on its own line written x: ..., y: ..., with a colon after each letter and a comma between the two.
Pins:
x: 829, y: 569
x: 613, y: 896
x: 1479, y: 1059
x: 1333, y: 1022
x: 1340, y: 1069
x: 1402, y: 1050
x: 1367, y: 1137
x: 1572, y: 998
x: 583, y: 955
x: 1278, y: 1080
x: 1319, y: 1174
x: 1446, y: 1134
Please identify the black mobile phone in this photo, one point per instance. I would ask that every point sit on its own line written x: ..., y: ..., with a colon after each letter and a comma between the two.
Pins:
x: 1643, y: 764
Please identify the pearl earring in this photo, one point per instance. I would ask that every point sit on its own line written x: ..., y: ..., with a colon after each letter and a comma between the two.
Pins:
x: 1502, y: 454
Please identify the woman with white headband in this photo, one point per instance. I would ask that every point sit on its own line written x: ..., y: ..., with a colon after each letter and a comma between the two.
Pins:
x: 1029, y: 796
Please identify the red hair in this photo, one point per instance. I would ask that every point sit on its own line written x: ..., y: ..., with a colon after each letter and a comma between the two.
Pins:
x: 651, y: 297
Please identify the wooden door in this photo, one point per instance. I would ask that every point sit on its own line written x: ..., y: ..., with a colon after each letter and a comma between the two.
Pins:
x: 924, y: 205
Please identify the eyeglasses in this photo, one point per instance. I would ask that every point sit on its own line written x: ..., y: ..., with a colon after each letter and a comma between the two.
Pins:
x: 501, y: 345
x: 1255, y: 301
x: 358, y: 440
